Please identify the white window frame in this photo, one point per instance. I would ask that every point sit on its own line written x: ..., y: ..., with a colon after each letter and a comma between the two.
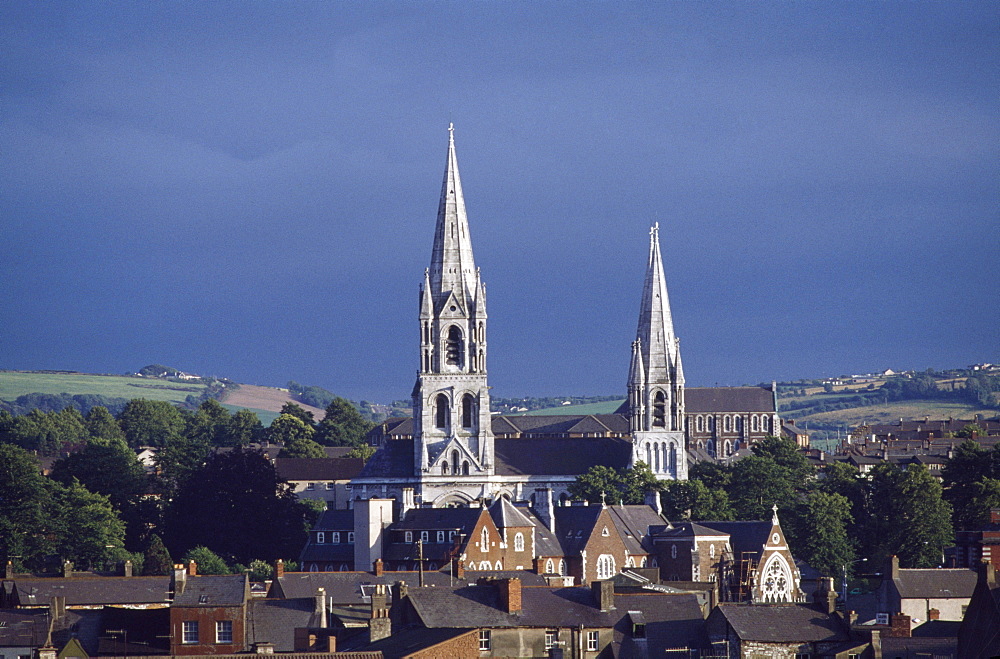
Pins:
x: 223, y: 631
x: 320, y: 538
x: 310, y: 486
x: 335, y: 539
x: 485, y: 642
x: 350, y: 537
x: 408, y: 536
x: 425, y: 536
x: 440, y: 536
x: 519, y: 542
x: 189, y: 632
x: 593, y: 638
x: 551, y: 636
x: 331, y: 486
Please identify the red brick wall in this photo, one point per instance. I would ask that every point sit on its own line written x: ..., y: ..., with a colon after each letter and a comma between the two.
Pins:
x: 206, y: 617
x: 465, y: 646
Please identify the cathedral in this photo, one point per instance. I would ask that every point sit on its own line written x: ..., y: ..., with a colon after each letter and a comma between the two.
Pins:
x: 452, y: 452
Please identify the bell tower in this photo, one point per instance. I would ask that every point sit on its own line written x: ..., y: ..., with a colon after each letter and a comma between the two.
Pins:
x: 656, y: 378
x: 453, y: 440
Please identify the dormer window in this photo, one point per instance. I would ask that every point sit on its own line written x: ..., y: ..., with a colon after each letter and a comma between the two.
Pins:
x: 408, y: 536
x: 320, y: 537
x: 336, y: 538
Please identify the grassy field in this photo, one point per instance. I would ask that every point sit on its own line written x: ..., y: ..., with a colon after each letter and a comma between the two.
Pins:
x: 17, y: 383
x: 606, y: 407
x: 265, y: 416
x: 906, y: 409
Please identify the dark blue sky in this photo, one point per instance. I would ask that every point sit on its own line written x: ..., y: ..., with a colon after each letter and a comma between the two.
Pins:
x: 250, y: 189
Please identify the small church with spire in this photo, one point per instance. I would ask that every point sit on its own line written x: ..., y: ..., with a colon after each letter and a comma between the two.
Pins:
x: 453, y: 452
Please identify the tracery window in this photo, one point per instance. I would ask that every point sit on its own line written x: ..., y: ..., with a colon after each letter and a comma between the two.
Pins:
x: 605, y: 566
x: 519, y: 542
x: 776, y: 580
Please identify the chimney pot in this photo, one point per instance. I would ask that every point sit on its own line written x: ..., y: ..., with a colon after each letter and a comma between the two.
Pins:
x: 279, y: 571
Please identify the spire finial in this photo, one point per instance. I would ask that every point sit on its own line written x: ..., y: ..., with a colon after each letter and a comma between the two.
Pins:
x: 451, y: 131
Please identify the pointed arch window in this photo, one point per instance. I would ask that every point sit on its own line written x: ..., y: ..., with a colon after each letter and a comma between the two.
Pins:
x: 455, y: 347
x: 549, y: 566
x: 444, y: 468
x: 659, y: 410
x: 519, y: 542
x: 465, y: 468
x: 484, y: 540
x: 753, y: 423
x: 468, y: 410
x: 673, y: 459
x: 441, y: 411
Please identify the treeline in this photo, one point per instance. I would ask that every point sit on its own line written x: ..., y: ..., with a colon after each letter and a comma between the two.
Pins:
x: 322, y: 398
x: 82, y: 403
x: 841, y: 519
x: 206, y: 487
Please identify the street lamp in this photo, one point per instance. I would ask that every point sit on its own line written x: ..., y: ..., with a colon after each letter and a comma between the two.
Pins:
x: 860, y: 560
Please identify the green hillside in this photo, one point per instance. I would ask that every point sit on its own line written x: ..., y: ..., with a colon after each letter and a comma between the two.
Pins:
x: 19, y: 383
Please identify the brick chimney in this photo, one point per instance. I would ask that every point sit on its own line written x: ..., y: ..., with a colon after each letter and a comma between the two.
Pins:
x: 192, y: 569
x: 893, y: 568
x: 378, y: 567
x: 379, y: 625
x: 510, y: 594
x: 320, y: 606
x: 458, y: 568
x: 899, y: 626
x: 933, y: 614
x: 827, y: 596
x: 604, y: 594
x: 279, y: 569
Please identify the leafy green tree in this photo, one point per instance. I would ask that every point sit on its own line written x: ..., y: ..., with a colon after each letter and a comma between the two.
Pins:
x: 602, y: 483
x: 759, y: 483
x: 100, y: 424
x: 786, y: 453
x: 90, y: 535
x: 27, y: 527
x: 714, y: 476
x: 364, y: 452
x: 299, y: 412
x: 207, y: 560
x: 104, y: 466
x: 845, y: 480
x: 209, y: 424
x: 971, y: 430
x: 237, y: 506
x: 151, y: 423
x: 49, y: 432
x: 156, y: 559
x: 817, y: 531
x: 969, y: 466
x: 302, y: 447
x: 693, y: 500
x: 906, y: 517
x: 287, y: 428
x: 244, y: 428
x: 343, y: 425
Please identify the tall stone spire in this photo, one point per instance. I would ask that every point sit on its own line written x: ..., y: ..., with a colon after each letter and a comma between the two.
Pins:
x: 453, y: 437
x: 656, y: 377
x: 452, y: 265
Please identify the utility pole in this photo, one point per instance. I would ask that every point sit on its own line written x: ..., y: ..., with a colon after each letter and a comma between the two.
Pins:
x: 420, y: 560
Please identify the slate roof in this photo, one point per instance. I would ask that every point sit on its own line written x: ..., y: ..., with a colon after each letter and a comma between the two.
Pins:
x: 214, y: 590
x: 331, y: 552
x: 274, y: 621
x: 344, y: 588
x: 936, y: 583
x: 91, y: 590
x: 574, y: 524
x: 688, y: 530
x: 634, y: 523
x: 506, y: 515
x: 919, y: 647
x: 743, y: 536
x: 335, y: 520
x: 18, y: 628
x: 318, y: 469
x: 791, y: 623
x: 727, y: 399
x: 427, y: 519
x: 672, y: 621
x: 559, y: 456
x: 408, y: 641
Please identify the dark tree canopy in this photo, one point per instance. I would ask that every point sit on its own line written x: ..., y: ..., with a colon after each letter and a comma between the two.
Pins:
x: 156, y: 559
x: 604, y: 484
x: 238, y: 507
x: 151, y: 423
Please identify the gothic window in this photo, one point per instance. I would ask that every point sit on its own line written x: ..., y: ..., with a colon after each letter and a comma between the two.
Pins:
x: 656, y: 458
x: 562, y: 566
x: 699, y: 423
x: 549, y: 566
x: 484, y: 565
x: 711, y: 423
x: 673, y: 459
x: 673, y: 551
x: 444, y: 467
x: 727, y: 423
x: 519, y: 542
x: 468, y: 410
x: 711, y: 551
x: 777, y: 580
x: 441, y: 409
x: 739, y: 424
x: 753, y: 423
x: 659, y: 410
x: 465, y: 468
x: 605, y: 566
x: 727, y: 450
x: 454, y: 461
x: 484, y: 540
x: 499, y: 566
x: 455, y: 347
x: 649, y: 456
